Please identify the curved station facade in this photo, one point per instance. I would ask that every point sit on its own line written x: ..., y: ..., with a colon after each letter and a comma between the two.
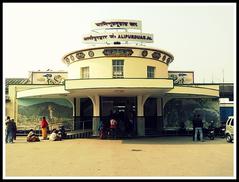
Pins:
x: 116, y: 74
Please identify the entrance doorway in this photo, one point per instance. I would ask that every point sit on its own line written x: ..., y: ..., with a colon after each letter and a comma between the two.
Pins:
x: 150, y: 114
x: 84, y: 121
x: 124, y: 111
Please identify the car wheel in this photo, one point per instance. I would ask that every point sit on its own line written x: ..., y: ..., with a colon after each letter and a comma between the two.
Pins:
x: 228, y: 138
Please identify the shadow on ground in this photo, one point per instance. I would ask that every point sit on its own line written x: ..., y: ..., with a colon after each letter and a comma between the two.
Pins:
x: 168, y: 140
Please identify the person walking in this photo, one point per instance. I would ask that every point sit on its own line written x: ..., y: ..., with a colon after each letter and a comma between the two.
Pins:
x: 198, y: 128
x: 44, y: 127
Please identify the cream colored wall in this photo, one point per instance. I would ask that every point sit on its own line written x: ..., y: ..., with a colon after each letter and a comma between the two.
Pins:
x: 137, y: 68
x: 207, y: 86
x: 52, y: 90
x: 194, y: 91
x: 99, y: 68
x: 133, y: 68
x: 122, y: 83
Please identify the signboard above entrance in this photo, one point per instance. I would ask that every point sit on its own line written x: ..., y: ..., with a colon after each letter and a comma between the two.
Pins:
x: 118, y: 24
x: 117, y: 37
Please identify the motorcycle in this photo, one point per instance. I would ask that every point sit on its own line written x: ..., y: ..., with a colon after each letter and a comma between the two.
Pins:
x: 211, y: 131
x: 222, y: 130
x: 62, y: 132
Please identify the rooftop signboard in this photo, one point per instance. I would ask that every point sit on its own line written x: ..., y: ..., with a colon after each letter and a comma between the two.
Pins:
x: 118, y: 24
x: 182, y: 77
x: 117, y: 37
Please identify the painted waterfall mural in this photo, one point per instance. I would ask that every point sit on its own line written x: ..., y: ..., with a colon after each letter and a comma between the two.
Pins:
x: 178, y: 113
x: 57, y: 112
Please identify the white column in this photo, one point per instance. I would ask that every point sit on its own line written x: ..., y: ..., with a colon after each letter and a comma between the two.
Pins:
x: 159, y: 114
x: 77, y: 107
x: 71, y: 100
x: 96, y: 113
x: 159, y: 107
x: 140, y: 108
x: 140, y: 114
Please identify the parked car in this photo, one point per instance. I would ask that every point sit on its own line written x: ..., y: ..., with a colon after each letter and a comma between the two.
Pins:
x: 229, y: 129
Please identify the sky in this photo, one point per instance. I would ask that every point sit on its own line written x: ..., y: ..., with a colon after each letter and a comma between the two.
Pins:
x: 200, y: 36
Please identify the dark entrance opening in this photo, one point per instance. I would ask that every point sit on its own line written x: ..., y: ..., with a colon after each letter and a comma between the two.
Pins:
x: 124, y: 109
x: 150, y: 114
x: 84, y: 121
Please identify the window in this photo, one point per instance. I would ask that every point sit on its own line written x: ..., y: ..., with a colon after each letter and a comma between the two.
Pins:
x: 85, y: 72
x: 118, y: 68
x: 150, y: 72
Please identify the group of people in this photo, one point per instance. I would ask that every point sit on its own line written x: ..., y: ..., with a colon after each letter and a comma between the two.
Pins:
x: 10, y: 130
x: 104, y: 131
x: 56, y: 135
x: 116, y: 126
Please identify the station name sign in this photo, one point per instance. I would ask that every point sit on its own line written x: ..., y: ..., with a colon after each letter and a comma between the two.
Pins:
x: 128, y: 24
x: 117, y: 37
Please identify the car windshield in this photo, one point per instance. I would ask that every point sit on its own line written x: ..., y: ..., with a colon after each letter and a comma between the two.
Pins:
x: 228, y: 121
x: 232, y: 123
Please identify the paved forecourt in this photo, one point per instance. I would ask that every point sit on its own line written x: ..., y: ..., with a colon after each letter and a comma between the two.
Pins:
x: 146, y: 157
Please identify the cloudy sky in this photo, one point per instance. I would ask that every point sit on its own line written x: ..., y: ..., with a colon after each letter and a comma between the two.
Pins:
x: 201, y: 37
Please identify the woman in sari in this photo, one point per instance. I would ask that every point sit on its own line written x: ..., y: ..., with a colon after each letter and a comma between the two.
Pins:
x: 44, y: 126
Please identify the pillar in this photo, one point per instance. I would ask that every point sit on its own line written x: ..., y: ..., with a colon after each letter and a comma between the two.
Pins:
x: 159, y: 114
x: 77, y: 107
x: 140, y: 114
x: 96, y: 114
x: 73, y: 101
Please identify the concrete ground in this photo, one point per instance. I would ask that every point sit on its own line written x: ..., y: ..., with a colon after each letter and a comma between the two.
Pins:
x: 140, y: 157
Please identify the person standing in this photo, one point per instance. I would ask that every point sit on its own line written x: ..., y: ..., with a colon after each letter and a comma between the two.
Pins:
x: 101, y: 130
x: 194, y: 121
x: 14, y: 129
x: 198, y: 128
x: 44, y: 126
x: 10, y: 128
x: 6, y: 131
x: 113, y: 127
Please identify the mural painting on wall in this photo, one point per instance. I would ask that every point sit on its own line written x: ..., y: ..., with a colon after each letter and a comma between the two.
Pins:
x: 178, y: 113
x: 49, y: 78
x: 57, y: 79
x: 57, y: 112
x: 181, y: 77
